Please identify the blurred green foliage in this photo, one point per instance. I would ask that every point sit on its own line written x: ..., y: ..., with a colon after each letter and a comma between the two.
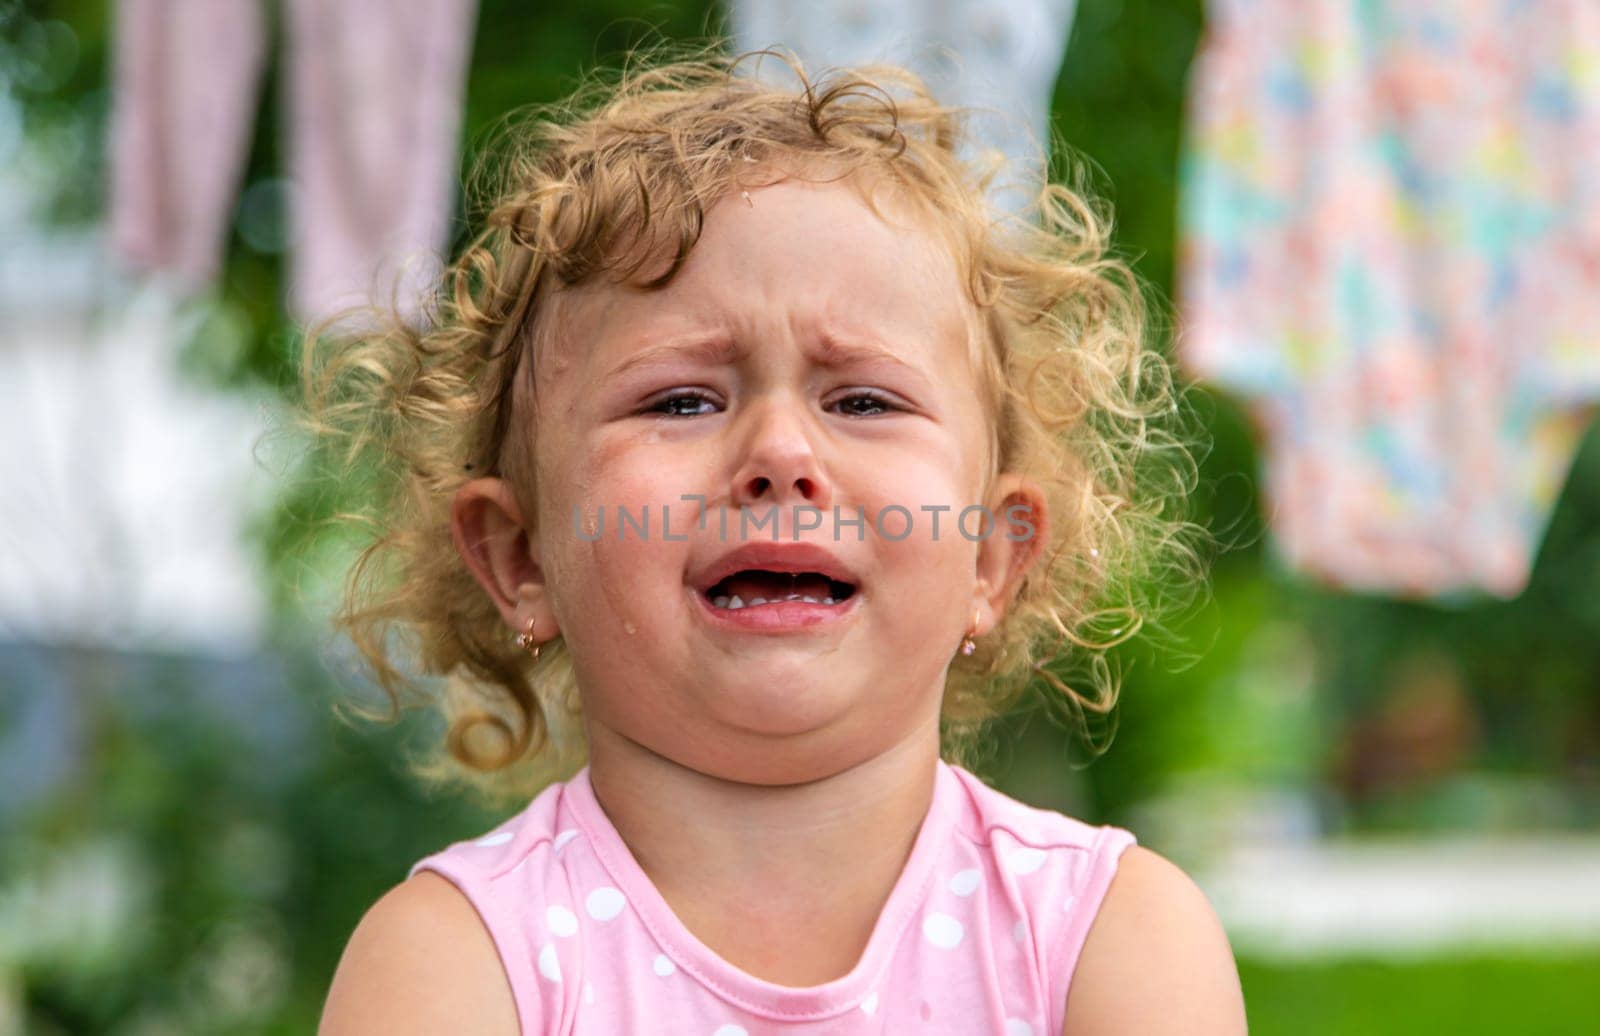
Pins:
x: 1527, y: 995
x: 244, y: 871
x: 203, y: 869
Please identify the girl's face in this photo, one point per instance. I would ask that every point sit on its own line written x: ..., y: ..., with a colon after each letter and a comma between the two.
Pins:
x: 807, y: 355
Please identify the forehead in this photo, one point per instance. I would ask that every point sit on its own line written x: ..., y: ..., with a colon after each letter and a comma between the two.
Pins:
x: 792, y: 253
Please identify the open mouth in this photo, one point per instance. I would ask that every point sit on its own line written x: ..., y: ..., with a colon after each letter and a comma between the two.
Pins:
x: 757, y: 587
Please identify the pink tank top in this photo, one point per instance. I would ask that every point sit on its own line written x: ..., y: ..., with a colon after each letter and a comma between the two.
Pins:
x: 980, y: 934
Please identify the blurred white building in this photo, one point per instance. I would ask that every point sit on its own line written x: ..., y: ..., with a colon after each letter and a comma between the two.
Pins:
x: 126, y: 486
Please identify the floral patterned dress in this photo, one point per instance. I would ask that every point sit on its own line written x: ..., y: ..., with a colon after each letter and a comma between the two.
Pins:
x: 1390, y: 224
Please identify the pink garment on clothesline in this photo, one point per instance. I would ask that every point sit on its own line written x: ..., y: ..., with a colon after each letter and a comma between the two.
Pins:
x: 374, y: 95
x: 185, y: 76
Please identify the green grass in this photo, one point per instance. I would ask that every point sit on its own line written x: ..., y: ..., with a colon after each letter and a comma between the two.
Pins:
x: 1527, y: 995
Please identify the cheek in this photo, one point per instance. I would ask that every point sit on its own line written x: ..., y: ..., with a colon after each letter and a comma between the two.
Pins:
x: 934, y: 555
x: 913, y: 481
x: 611, y: 552
x: 637, y: 469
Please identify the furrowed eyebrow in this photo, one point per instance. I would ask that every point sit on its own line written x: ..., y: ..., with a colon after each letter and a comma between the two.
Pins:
x: 830, y: 352
x: 708, y: 351
x: 834, y: 353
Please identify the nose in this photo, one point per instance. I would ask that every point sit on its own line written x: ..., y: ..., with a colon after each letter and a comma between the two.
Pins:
x: 780, y: 463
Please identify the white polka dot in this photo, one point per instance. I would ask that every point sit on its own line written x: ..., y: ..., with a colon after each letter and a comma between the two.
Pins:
x: 1068, y: 902
x: 663, y: 965
x: 562, y: 921
x: 942, y: 930
x: 1019, y: 931
x: 1018, y: 1027
x: 498, y: 838
x: 1025, y: 861
x: 563, y: 838
x: 869, y: 1006
x: 604, y: 903
x: 730, y: 1030
x: 549, y: 966
x: 965, y: 883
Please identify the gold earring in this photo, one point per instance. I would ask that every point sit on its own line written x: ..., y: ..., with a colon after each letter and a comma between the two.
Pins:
x: 968, y: 644
x: 526, y: 642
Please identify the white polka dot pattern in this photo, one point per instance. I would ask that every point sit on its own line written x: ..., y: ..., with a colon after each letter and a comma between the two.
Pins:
x: 604, y: 903
x: 966, y: 882
x: 560, y: 921
x: 549, y: 965
x: 943, y: 931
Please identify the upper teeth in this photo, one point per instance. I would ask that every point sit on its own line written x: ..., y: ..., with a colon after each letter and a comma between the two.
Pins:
x: 734, y: 603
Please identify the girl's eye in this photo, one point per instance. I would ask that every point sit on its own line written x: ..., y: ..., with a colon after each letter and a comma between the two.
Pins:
x: 682, y: 404
x: 697, y: 404
x: 864, y: 404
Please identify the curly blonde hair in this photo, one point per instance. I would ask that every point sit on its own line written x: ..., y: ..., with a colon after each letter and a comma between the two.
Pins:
x: 622, y: 174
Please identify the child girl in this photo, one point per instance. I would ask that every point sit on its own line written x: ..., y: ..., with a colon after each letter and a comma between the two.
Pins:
x: 749, y: 453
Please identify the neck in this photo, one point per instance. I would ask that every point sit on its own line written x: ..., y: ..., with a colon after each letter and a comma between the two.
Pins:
x: 785, y: 882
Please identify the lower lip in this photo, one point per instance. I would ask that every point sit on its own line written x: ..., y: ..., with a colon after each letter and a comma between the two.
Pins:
x: 782, y: 617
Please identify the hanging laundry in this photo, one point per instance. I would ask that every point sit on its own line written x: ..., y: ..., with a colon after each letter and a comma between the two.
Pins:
x: 376, y: 91
x: 373, y: 105
x: 997, y: 57
x: 1390, y: 245
x: 186, y: 74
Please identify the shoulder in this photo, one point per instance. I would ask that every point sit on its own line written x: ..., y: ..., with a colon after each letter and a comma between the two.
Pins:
x: 1156, y: 960
x: 420, y: 961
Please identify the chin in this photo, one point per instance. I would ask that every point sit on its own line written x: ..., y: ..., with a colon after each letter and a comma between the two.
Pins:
x: 781, y: 709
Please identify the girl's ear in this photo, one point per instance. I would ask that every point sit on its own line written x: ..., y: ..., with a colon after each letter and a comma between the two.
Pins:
x: 491, y: 537
x: 1021, y: 530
